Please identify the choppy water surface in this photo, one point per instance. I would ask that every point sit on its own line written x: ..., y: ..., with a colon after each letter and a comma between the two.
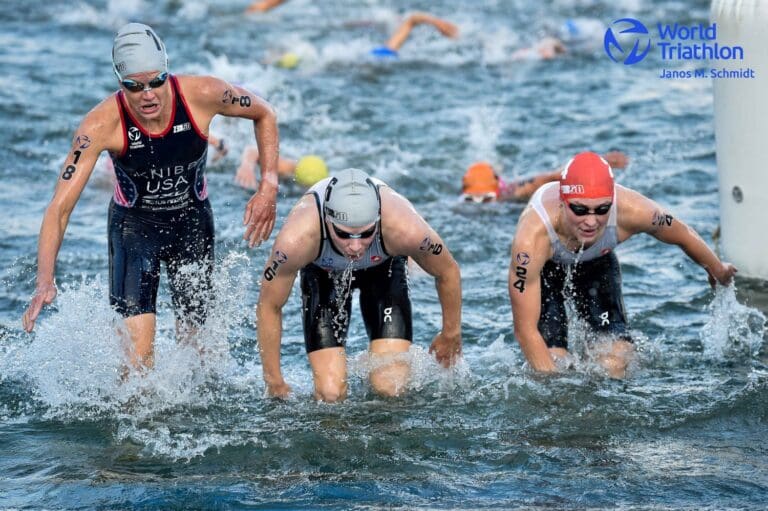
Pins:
x: 686, y: 430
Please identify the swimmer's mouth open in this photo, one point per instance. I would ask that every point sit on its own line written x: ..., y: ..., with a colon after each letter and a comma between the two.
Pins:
x: 149, y: 107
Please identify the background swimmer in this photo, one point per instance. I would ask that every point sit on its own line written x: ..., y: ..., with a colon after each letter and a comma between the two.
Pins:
x: 307, y: 171
x: 400, y: 36
x: 481, y: 183
x: 574, y: 36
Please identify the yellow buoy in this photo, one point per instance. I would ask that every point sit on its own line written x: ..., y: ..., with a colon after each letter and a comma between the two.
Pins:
x: 310, y: 169
x: 288, y: 60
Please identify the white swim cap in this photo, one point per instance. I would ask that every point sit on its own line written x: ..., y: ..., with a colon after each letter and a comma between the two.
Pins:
x: 351, y: 199
x: 137, y: 49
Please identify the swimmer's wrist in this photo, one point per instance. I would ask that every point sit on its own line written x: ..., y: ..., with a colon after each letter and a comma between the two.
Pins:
x: 453, y: 333
x: 268, y: 190
x: 273, y: 379
x: 269, y: 183
x: 45, y: 281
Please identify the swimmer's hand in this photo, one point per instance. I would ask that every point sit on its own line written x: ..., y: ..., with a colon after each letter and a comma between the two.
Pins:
x: 44, y: 295
x: 279, y: 390
x: 447, y: 349
x: 616, y: 159
x: 221, y: 151
x: 724, y: 274
x: 246, y: 177
x: 260, y: 215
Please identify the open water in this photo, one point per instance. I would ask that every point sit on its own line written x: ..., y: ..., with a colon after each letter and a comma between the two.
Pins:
x: 685, y: 430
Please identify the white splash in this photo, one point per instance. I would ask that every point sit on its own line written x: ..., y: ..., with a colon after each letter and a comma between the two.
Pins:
x: 116, y: 14
x: 732, y: 329
x: 73, y: 365
x: 192, y: 10
x: 75, y: 356
x: 485, y: 125
x: 426, y: 372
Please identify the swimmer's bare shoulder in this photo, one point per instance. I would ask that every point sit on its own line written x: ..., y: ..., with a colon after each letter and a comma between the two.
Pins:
x: 299, y: 239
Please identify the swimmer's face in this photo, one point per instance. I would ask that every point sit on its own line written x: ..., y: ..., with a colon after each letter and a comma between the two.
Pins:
x: 153, y: 93
x: 587, y: 218
x: 352, y: 242
x: 478, y: 198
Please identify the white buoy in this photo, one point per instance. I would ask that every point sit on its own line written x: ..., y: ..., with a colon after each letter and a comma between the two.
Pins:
x: 741, y: 132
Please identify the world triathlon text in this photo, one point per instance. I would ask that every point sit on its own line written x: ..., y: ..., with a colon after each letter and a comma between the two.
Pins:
x: 681, y: 42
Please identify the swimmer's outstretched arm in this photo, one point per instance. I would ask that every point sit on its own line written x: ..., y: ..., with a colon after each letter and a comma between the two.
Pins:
x: 402, y: 33
x: 295, y: 246
x: 219, y: 146
x: 616, y: 159
x: 217, y: 97
x: 245, y: 176
x: 263, y: 5
x: 89, y: 141
x: 638, y: 213
x: 523, y: 189
x: 275, y: 290
x: 409, y: 234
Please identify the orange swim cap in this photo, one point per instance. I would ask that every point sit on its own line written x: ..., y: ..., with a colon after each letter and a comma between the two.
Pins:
x: 480, y: 179
x: 586, y: 176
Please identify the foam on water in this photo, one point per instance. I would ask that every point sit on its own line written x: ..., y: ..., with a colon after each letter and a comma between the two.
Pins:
x: 320, y: 121
x: 116, y: 14
x: 396, y: 164
x: 74, y: 358
x: 425, y: 371
x: 350, y: 51
x: 484, y: 129
x: 190, y: 404
x: 252, y: 75
x: 193, y: 10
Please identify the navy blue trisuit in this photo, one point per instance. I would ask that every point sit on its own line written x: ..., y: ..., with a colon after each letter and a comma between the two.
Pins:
x: 160, y: 212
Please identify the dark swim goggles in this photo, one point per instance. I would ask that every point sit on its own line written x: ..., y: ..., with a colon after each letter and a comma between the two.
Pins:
x: 349, y: 236
x: 580, y: 210
x: 154, y: 83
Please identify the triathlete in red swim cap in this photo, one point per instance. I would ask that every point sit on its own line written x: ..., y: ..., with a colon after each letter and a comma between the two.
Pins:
x: 564, y: 249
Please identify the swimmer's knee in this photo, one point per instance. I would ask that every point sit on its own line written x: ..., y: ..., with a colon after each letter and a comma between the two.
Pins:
x: 391, y: 372
x: 615, y: 366
x: 330, y: 392
x: 616, y: 361
x: 558, y: 352
x: 387, y: 384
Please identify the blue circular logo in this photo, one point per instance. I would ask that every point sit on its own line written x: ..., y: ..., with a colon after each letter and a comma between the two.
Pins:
x: 621, y: 51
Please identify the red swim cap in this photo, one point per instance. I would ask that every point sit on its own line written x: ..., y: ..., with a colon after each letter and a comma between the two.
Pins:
x: 586, y: 176
x: 479, y: 179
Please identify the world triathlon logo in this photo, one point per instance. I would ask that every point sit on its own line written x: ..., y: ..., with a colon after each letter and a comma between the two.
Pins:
x: 632, y: 44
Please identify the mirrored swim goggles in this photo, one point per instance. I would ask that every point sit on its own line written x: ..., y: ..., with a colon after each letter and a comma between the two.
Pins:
x: 478, y: 198
x: 344, y: 235
x: 154, y: 83
x: 581, y: 210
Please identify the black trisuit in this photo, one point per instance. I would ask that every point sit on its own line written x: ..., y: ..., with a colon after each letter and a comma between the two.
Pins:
x: 160, y: 212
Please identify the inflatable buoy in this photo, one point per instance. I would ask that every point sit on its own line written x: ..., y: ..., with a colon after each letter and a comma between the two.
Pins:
x: 741, y: 129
